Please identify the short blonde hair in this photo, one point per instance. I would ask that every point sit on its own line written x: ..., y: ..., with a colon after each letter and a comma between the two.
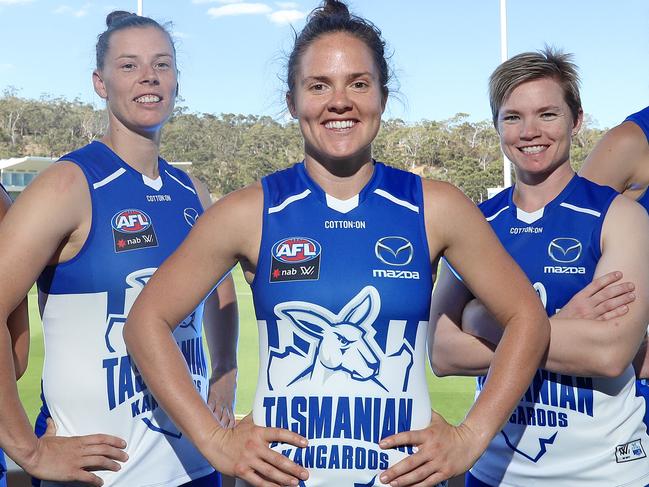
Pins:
x: 528, y: 66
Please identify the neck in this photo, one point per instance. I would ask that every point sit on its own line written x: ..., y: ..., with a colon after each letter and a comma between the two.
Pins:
x: 140, y: 151
x: 532, y: 193
x: 340, y: 179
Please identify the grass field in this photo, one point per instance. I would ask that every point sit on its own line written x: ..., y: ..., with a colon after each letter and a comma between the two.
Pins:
x: 451, y: 396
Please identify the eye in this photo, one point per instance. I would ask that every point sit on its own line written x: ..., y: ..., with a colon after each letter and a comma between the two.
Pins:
x: 510, y: 118
x: 127, y: 67
x: 343, y: 341
x: 317, y: 87
x: 360, y: 85
x: 163, y: 65
x: 549, y: 115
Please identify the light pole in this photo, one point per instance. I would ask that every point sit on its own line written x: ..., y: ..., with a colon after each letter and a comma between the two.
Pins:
x: 507, y: 173
x: 139, y: 7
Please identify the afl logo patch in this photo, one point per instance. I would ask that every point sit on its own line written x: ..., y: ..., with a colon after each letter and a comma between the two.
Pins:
x: 295, y: 259
x: 131, y: 221
x: 565, y: 250
x: 395, y: 251
x: 132, y: 230
x: 191, y: 215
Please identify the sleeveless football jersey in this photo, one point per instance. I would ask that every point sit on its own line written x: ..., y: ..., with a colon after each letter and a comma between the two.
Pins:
x: 342, y: 297
x: 90, y: 384
x: 641, y: 119
x: 566, y: 431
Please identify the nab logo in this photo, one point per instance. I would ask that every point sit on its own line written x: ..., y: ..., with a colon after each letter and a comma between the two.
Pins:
x: 565, y: 250
x: 395, y: 251
x: 131, y: 221
x: 294, y: 250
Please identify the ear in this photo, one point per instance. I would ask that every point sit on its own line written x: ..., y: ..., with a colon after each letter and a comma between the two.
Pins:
x: 291, y: 104
x: 577, y: 125
x: 99, y: 85
x: 363, y: 308
x: 309, y: 321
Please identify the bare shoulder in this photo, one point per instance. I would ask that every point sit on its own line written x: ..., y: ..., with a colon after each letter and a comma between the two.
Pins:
x: 620, y: 159
x: 238, y: 219
x: 629, y: 210
x: 61, y: 188
x: 241, y: 208
x: 445, y: 202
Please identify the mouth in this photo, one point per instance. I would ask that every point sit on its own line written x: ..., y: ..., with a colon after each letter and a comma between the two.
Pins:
x: 340, y: 124
x: 149, y: 98
x: 533, y: 149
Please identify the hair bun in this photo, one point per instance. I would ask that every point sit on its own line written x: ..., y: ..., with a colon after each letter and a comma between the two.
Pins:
x: 116, y: 16
x: 333, y: 8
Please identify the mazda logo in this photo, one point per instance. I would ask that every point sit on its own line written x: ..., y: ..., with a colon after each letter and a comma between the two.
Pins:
x: 191, y: 215
x: 394, y: 250
x: 565, y: 250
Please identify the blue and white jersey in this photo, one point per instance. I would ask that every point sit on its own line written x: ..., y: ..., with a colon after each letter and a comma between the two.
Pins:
x: 90, y: 384
x: 566, y: 431
x: 342, y: 297
x: 641, y: 119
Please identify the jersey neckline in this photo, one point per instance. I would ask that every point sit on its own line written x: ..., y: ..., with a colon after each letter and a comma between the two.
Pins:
x: 531, y: 217
x: 342, y: 206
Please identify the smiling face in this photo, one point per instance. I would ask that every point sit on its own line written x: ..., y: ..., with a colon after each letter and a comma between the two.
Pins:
x: 535, y: 126
x: 139, y: 79
x: 338, y: 100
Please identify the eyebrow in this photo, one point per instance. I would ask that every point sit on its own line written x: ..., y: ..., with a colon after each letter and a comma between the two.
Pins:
x: 135, y: 56
x: 327, y: 78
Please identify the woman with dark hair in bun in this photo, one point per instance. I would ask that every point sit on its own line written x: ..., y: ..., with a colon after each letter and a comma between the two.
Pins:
x: 340, y: 251
x: 92, y: 229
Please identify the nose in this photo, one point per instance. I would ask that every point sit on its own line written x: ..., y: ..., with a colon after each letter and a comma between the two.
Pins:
x: 339, y: 101
x: 529, y: 129
x: 150, y: 76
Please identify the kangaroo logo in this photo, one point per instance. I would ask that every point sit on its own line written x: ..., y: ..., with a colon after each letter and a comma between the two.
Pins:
x: 327, y: 344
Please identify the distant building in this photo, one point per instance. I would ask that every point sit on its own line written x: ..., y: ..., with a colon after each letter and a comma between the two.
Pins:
x: 16, y: 173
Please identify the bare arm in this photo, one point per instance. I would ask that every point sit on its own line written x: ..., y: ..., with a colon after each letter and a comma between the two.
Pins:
x: 46, y: 214
x: 620, y: 160
x: 221, y: 324
x: 451, y: 351
x: 227, y: 232
x: 473, y: 249
x: 18, y: 321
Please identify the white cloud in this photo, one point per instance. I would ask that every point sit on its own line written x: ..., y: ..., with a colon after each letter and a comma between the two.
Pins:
x: 14, y: 2
x: 239, y: 9
x: 67, y: 10
x: 287, y: 5
x: 7, y: 67
x: 286, y: 16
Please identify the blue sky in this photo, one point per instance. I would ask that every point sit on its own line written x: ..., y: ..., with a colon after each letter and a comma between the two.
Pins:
x: 231, y: 53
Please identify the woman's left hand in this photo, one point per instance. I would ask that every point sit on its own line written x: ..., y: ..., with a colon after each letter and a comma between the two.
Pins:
x: 442, y: 451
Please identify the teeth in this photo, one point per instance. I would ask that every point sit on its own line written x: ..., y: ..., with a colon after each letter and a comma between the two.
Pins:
x: 148, y: 99
x: 535, y: 149
x: 340, y: 124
